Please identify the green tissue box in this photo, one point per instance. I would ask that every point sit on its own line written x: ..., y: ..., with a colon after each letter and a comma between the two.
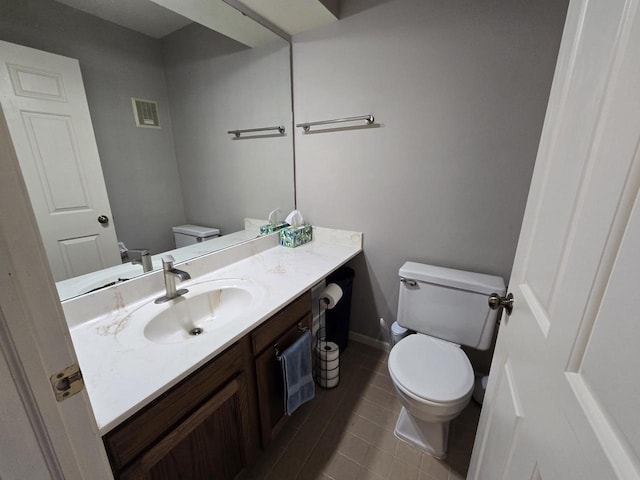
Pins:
x: 295, y: 236
x: 265, y: 229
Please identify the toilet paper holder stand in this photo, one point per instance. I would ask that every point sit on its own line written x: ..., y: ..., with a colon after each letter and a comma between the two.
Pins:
x: 301, y: 329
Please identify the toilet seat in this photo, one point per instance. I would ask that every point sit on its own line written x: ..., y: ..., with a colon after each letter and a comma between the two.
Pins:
x: 430, y: 370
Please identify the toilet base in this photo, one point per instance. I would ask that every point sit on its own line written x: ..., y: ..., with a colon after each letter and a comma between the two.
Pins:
x: 431, y: 438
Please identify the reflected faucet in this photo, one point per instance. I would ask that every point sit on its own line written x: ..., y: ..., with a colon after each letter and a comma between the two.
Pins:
x: 170, y: 275
x: 145, y: 259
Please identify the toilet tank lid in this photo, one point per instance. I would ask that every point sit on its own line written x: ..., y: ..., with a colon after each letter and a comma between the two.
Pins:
x: 449, y: 277
x: 196, y: 230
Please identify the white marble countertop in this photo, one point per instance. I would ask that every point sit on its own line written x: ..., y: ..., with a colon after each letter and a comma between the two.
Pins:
x: 121, y: 378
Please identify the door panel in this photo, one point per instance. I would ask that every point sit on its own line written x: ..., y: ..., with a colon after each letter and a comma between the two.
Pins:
x: 81, y: 253
x: 612, y: 349
x: 55, y: 154
x: 30, y: 82
x: 567, y: 144
x: 505, y: 420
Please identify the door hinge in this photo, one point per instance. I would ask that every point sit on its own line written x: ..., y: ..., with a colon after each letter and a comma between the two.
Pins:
x: 67, y: 383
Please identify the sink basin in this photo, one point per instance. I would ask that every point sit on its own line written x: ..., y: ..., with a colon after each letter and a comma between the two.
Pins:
x: 196, y: 314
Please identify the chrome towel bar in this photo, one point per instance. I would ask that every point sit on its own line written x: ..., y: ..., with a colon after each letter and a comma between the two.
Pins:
x: 276, y: 351
x: 237, y: 133
x: 306, y: 126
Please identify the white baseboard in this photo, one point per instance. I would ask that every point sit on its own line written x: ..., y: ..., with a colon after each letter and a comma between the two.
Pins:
x: 372, y: 342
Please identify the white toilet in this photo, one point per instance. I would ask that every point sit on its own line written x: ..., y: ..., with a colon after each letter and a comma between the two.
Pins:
x: 431, y: 373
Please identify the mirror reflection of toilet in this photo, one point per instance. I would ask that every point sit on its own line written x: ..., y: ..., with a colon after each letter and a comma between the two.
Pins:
x: 433, y: 377
x: 191, y: 234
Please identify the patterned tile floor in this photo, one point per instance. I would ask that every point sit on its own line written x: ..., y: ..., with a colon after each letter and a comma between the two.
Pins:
x: 347, y: 432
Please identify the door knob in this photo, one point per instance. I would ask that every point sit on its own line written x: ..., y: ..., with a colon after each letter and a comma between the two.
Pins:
x: 496, y: 301
x: 103, y: 219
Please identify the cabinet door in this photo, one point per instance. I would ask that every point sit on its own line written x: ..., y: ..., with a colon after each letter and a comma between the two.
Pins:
x: 134, y: 436
x: 209, y: 444
x: 270, y: 383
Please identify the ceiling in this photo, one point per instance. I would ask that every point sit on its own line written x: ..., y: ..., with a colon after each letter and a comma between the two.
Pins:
x: 140, y: 15
x: 158, y: 18
x: 293, y: 16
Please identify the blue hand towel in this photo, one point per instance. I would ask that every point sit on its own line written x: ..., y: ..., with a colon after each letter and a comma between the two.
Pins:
x: 296, y: 371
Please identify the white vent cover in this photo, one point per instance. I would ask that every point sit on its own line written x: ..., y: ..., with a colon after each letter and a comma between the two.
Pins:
x: 145, y: 113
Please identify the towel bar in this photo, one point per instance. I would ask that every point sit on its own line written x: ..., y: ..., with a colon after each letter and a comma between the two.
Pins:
x: 301, y: 329
x: 237, y: 133
x: 306, y: 126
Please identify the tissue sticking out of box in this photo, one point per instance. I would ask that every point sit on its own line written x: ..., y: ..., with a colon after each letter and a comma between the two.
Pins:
x: 274, y: 216
x: 274, y: 223
x: 295, y: 219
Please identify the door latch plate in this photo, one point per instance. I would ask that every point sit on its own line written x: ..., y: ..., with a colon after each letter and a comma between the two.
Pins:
x: 67, y: 383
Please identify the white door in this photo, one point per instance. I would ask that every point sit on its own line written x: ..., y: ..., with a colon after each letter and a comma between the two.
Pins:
x: 563, y: 400
x: 44, y: 103
x: 41, y: 434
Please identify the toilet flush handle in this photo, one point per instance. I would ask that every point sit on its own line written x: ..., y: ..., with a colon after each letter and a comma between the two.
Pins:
x: 496, y: 301
x: 408, y: 282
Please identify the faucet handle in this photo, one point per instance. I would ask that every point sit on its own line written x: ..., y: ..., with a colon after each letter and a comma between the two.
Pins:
x: 141, y: 251
x: 167, y: 261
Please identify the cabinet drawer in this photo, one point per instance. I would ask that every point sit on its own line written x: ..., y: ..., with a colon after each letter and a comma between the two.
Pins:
x: 266, y: 334
x: 131, y: 438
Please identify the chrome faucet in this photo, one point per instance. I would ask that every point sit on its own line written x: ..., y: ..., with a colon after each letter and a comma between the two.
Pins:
x: 170, y: 275
x: 145, y: 259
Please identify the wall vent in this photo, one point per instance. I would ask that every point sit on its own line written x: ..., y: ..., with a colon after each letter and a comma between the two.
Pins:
x: 145, y: 113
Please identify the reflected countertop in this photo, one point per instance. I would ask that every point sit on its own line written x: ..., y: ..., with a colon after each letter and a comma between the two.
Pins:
x: 122, y: 378
x: 82, y: 284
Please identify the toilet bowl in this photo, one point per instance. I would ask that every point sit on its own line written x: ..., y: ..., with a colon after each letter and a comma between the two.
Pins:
x: 434, y: 380
x: 432, y: 375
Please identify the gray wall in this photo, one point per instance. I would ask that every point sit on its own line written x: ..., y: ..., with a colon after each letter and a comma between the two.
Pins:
x: 460, y: 90
x: 216, y: 85
x: 139, y: 164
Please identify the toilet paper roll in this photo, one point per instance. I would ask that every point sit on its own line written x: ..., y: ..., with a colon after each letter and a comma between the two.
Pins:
x: 329, y: 375
x: 327, y: 351
x: 331, y: 295
x: 329, y: 366
x: 330, y: 383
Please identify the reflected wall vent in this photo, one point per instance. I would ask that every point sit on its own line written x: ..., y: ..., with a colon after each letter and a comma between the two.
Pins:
x: 145, y: 113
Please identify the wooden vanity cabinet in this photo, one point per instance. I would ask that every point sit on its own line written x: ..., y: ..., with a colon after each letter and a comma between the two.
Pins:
x: 206, y: 427
x: 204, y: 424
x: 282, y: 330
x: 207, y: 441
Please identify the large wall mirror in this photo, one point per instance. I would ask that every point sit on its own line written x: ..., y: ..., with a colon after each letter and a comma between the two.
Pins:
x: 176, y: 164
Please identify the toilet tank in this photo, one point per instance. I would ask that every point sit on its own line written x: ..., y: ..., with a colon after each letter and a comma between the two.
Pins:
x: 191, y: 234
x: 448, y: 304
